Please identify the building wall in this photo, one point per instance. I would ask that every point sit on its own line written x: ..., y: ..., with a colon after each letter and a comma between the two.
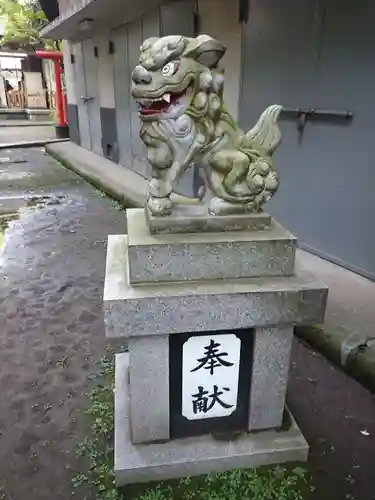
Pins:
x: 170, y: 19
x: 318, y: 54
x: 100, y: 69
x: 108, y: 118
x: 220, y: 19
x: 71, y: 90
x: 3, y: 99
x: 65, y: 5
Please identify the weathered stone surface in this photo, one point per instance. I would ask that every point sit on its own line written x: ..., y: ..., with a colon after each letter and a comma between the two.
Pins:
x: 269, y: 376
x: 238, y: 166
x: 196, y: 219
x: 159, y: 309
x: 193, y: 456
x: 185, y: 257
x: 149, y: 388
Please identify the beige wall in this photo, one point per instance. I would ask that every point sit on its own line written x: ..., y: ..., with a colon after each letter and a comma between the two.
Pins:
x: 105, y: 72
x: 70, y: 80
x: 65, y: 5
x: 219, y: 19
x: 3, y: 99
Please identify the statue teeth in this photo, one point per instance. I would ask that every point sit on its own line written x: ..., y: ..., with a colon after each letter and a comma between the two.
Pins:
x: 167, y: 97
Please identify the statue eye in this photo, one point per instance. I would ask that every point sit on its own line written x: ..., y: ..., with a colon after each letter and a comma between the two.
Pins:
x: 169, y: 69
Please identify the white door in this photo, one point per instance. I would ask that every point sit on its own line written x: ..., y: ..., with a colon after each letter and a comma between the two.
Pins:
x: 81, y: 91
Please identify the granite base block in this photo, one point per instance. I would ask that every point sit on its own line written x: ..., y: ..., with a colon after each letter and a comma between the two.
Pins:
x: 198, y: 256
x: 166, y: 308
x: 196, y: 219
x: 194, y: 456
x: 269, y: 376
x: 149, y: 388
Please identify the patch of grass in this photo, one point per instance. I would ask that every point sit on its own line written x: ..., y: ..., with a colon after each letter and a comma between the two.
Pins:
x: 275, y: 483
x: 114, y: 202
x: 265, y: 483
x: 6, y: 219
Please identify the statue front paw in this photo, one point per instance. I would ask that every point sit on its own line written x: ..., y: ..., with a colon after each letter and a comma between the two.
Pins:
x: 159, y: 206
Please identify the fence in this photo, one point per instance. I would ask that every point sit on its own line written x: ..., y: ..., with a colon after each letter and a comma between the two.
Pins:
x: 18, y: 98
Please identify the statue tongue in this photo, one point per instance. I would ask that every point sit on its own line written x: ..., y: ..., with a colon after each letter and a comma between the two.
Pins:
x: 159, y: 105
x: 156, y: 107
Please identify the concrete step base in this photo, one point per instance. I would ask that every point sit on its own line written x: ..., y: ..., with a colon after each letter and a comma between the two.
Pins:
x: 194, y: 456
x: 212, y: 255
x: 207, y: 305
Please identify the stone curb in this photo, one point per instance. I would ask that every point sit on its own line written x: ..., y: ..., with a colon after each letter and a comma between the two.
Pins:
x: 30, y: 144
x: 117, y: 181
x: 359, y: 363
x: 13, y: 123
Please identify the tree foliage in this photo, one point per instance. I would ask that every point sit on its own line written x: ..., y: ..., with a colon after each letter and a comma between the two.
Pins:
x: 23, y: 22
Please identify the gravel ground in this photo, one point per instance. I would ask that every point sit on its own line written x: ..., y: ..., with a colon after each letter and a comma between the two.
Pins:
x: 337, y: 417
x: 52, y: 272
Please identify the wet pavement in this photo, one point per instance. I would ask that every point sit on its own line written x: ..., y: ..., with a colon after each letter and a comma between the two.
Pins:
x: 51, y: 332
x: 51, y: 326
x: 337, y: 417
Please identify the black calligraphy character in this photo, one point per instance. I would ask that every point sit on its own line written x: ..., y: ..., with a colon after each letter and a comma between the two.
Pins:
x: 215, y: 398
x: 212, y: 358
x: 201, y: 405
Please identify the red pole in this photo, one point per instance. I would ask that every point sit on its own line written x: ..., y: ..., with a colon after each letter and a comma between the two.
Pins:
x: 65, y: 108
x: 59, y: 95
x: 57, y: 58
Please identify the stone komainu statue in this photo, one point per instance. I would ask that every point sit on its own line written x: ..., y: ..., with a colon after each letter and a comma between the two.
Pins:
x: 179, y: 88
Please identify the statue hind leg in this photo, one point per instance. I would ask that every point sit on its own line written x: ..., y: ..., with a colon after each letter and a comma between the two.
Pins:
x: 229, y: 172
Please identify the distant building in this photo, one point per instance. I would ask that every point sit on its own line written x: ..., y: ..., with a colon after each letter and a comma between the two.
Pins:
x: 308, y: 54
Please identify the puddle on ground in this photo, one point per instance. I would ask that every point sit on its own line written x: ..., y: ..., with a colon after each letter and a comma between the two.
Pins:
x: 27, y: 204
x: 41, y: 201
x: 10, y: 161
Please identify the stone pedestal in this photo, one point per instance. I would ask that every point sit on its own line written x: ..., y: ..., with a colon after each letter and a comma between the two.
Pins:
x: 165, y: 286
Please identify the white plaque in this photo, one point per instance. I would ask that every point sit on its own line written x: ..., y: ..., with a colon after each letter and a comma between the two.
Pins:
x: 210, y: 373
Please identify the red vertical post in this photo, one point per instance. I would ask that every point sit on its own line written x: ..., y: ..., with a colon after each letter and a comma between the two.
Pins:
x: 62, y: 128
x: 59, y: 94
x: 65, y: 107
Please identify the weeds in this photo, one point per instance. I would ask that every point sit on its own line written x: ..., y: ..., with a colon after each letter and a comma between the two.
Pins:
x: 257, y: 484
x: 116, y: 204
x: 267, y: 483
x: 6, y: 219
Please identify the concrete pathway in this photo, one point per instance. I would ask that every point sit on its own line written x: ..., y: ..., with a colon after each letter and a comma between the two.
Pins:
x: 51, y: 274
x: 351, y: 304
x: 348, y: 335
x: 14, y: 134
x: 26, y: 123
x: 337, y: 417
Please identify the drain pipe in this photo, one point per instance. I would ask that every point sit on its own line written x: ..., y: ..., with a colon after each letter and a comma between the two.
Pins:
x: 62, y: 127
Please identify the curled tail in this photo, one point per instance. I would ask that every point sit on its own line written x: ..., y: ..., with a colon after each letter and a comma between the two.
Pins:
x: 265, y: 135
